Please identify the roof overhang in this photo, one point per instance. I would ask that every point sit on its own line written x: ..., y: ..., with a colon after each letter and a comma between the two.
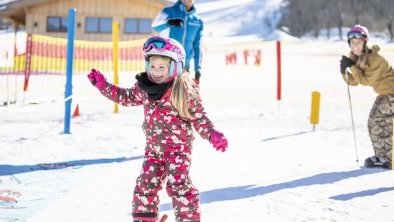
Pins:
x: 15, y: 10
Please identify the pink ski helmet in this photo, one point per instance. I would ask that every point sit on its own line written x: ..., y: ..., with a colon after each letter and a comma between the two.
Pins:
x: 169, y: 48
x: 358, y: 32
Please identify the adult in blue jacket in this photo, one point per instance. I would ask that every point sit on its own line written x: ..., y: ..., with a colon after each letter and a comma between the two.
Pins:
x: 186, y: 27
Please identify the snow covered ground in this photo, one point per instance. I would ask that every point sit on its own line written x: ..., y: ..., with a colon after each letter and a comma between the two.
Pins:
x: 276, y: 167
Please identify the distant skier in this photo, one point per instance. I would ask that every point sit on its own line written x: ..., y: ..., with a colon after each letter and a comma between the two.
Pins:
x: 172, y: 108
x: 185, y: 26
x: 366, y: 67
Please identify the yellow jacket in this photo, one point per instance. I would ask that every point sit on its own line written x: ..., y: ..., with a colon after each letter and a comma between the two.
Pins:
x: 377, y: 73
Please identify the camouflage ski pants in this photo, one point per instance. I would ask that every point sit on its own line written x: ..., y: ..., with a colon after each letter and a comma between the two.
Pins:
x: 173, y: 166
x: 380, y: 126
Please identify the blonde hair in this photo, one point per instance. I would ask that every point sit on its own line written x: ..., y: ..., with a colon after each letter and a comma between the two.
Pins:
x: 154, y: 57
x: 182, y: 90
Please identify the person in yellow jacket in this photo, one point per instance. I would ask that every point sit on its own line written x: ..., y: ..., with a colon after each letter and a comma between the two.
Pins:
x: 365, y: 66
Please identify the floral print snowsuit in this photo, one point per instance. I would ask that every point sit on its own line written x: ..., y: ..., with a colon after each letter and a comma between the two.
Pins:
x: 167, y: 152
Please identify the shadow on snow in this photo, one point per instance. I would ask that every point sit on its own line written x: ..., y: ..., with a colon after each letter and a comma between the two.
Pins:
x: 288, y: 135
x: 248, y: 191
x: 16, y: 169
x: 364, y: 193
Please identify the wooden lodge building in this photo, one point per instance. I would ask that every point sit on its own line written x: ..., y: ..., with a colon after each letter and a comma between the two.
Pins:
x: 93, y: 17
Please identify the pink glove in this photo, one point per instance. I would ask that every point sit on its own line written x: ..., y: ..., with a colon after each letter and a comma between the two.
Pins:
x: 97, y: 79
x: 219, y: 141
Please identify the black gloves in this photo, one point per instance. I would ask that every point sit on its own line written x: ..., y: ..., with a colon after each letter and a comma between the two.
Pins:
x: 197, y: 76
x: 345, y: 62
x: 175, y: 22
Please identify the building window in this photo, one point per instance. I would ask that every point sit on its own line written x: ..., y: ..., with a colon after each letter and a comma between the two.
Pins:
x: 94, y: 24
x: 134, y: 25
x: 56, y: 24
x: 130, y: 25
x: 144, y: 25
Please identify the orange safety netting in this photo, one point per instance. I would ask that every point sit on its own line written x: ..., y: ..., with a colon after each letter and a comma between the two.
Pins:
x: 48, y: 56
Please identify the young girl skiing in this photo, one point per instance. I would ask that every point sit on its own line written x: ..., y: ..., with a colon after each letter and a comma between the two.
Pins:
x: 172, y: 107
x: 366, y: 67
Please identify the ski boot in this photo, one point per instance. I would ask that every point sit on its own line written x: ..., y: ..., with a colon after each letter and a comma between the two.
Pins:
x: 374, y: 161
x: 162, y: 219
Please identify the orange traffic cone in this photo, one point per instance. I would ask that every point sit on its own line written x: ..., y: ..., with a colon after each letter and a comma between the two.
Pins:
x: 76, y: 112
x: 163, y: 218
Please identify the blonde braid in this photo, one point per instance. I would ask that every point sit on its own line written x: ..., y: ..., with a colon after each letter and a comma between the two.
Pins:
x: 181, y: 90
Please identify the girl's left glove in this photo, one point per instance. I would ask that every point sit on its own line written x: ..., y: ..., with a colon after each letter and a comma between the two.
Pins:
x: 219, y: 141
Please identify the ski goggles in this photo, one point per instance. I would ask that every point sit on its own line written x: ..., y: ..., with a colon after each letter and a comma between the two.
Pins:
x: 357, y: 35
x: 156, y: 43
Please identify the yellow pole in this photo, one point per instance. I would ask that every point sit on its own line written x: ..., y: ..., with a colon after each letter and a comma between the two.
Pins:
x: 315, y: 108
x: 115, y: 56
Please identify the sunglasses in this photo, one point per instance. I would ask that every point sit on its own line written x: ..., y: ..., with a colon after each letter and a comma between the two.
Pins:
x: 156, y: 43
x: 357, y: 35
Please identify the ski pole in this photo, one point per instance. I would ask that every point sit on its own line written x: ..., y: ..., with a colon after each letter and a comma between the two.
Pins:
x: 351, y: 115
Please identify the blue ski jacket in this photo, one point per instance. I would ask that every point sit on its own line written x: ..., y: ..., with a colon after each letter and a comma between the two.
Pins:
x: 189, y: 35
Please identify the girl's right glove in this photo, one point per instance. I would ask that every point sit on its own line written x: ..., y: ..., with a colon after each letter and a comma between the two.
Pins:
x: 97, y: 79
x: 219, y: 141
